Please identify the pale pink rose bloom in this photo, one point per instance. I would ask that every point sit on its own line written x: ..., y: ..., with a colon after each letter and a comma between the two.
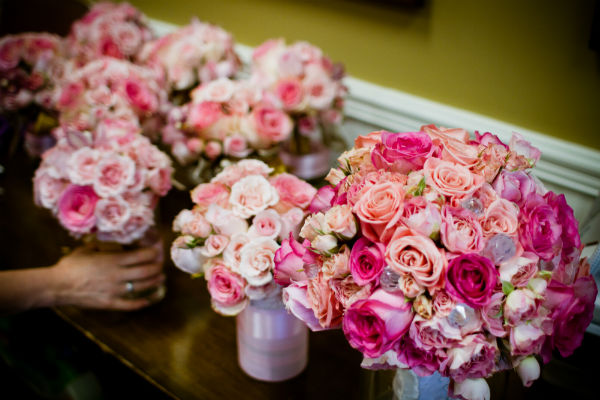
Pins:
x: 206, y: 194
x: 455, y: 145
x: 187, y: 259
x: 256, y: 261
x: 520, y: 306
x: 319, y: 88
x: 449, y: 179
x: 473, y: 357
x: 312, y: 225
x: 323, y: 302
x: 292, y: 190
x: 520, y: 269
x: 220, y: 91
x: 226, y: 288
x: 236, y: 146
x: 486, y: 194
x: 379, y: 210
x: 77, y: 208
x: 335, y: 176
x: 272, y: 125
x: 422, y: 216
x: 112, y: 213
x: 234, y: 172
x: 409, y: 287
x: 290, y: 92
x: 443, y: 303
x: 113, y: 174
x: 181, y: 219
x: 470, y: 389
x: 434, y: 333
x: 324, y: 244
x: 528, y: 370
x: 267, y: 224
x: 356, y: 159
x: 501, y: 217
x: 296, y: 302
x: 251, y: 195
x: 159, y: 180
x: 224, y: 221
x: 213, y: 149
x: 526, y: 338
x: 388, y: 360
x: 196, y: 225
x: 341, y: 222
x: 82, y: 166
x: 214, y: 245
x: 337, y: 266
x: 290, y: 223
x: 47, y: 188
x: 491, y: 314
x: 232, y: 253
x: 461, y: 231
x: 418, y: 256
x: 347, y: 291
x: 522, y: 147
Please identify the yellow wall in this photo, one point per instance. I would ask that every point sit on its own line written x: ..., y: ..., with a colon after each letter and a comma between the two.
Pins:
x: 524, y: 62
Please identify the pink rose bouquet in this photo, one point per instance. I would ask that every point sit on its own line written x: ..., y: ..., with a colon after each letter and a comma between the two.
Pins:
x: 232, y: 234
x: 225, y: 117
x: 116, y: 30
x: 103, y: 183
x: 196, y: 53
x: 439, y: 252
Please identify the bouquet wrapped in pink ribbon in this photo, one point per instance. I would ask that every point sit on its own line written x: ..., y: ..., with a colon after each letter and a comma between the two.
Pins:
x: 440, y: 252
x: 225, y: 117
x: 196, y: 53
x: 237, y: 224
x: 116, y: 30
x: 104, y: 183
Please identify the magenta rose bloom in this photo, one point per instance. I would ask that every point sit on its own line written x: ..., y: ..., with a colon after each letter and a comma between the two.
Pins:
x: 76, y: 208
x: 290, y: 259
x: 422, y: 362
x: 471, y: 279
x: 367, y: 260
x: 402, y: 152
x: 487, y: 139
x: 571, y: 242
x: 375, y: 324
x: 540, y: 231
x: 572, y: 310
x: 322, y: 200
x: 514, y: 186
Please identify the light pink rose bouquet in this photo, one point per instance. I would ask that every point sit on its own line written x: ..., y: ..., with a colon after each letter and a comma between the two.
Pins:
x: 116, y: 30
x: 232, y: 234
x: 104, y: 183
x: 225, y: 118
x: 439, y: 252
x: 196, y: 53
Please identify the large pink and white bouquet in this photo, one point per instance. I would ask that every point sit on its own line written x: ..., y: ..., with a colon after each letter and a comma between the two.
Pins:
x: 31, y: 67
x: 237, y: 224
x: 437, y: 252
x: 303, y: 82
x: 225, y: 117
x: 196, y: 53
x: 107, y: 88
x: 116, y: 30
x: 104, y: 183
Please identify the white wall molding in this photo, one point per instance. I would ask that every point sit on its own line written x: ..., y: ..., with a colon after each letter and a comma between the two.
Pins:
x: 563, y: 163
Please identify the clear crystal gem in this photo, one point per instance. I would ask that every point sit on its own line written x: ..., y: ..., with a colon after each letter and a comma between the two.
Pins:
x: 461, y: 315
x: 499, y: 248
x: 389, y: 280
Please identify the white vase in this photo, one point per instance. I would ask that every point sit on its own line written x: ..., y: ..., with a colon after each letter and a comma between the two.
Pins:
x: 272, y: 344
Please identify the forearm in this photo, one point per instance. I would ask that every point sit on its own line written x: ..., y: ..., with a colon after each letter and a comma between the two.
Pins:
x: 26, y: 289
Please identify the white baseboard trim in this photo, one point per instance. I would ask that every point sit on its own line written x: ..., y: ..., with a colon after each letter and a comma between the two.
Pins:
x: 563, y: 163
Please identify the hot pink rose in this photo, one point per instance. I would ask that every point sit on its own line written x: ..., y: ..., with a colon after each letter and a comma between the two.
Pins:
x: 322, y: 300
x: 366, y: 261
x: 322, y: 199
x: 290, y: 260
x: 251, y: 195
x: 76, y: 208
x: 113, y: 174
x: 471, y: 279
x: 418, y: 256
x: 293, y: 190
x: 204, y: 114
x: 423, y: 363
x: 206, y: 194
x: 473, y: 357
x: 460, y: 230
x: 140, y: 96
x: 540, y: 231
x: 272, y: 125
x: 571, y: 241
x: 402, y: 152
x: 375, y: 324
x: 226, y: 289
x: 449, y: 179
x: 290, y: 92
x: 379, y: 210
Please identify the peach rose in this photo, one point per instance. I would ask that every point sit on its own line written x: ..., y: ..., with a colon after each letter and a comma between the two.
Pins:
x: 251, y: 195
x: 454, y: 144
x: 423, y: 306
x: 323, y: 302
x: 460, y: 230
x: 379, y: 210
x: 502, y: 216
x: 449, y: 179
x: 409, y: 287
x: 340, y: 221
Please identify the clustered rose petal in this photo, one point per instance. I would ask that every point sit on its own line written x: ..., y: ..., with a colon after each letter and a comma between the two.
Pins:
x: 471, y: 279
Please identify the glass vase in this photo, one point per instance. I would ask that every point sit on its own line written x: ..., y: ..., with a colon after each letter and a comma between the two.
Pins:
x: 408, y: 386
x: 272, y: 344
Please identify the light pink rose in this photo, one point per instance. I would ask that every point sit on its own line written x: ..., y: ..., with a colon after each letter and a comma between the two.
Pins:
x: 519, y: 269
x: 491, y: 314
x: 340, y: 221
x: 214, y: 245
x: 192, y: 223
x: 449, y: 179
x: 113, y: 174
x: 422, y: 216
x: 140, y: 96
x: 272, y: 125
x: 418, y: 256
x: 470, y: 389
x: 501, y: 217
x: 290, y: 222
x: 522, y: 147
x: 76, y: 208
x: 82, y: 166
x: 219, y: 91
x: 434, y: 333
x: 473, y: 357
x: 251, y: 195
x: 224, y: 221
x: 47, y: 188
x: 454, y: 144
x: 322, y: 300
x: 206, y: 194
x: 324, y: 244
x: 322, y: 199
x: 313, y: 224
x: 257, y: 261
x: 526, y: 338
x: 213, y: 149
x: 232, y: 254
x: 293, y: 190
x: 290, y: 92
x: 236, y: 145
x: 112, y: 213
x: 379, y: 210
x: 159, y: 180
x: 296, y: 302
x: 267, y: 224
x: 187, y: 259
x: 226, y: 288
x: 409, y: 287
x: 203, y: 115
x: 443, y: 303
x: 520, y: 306
x: 461, y: 231
x: 347, y: 291
x: 320, y: 90
x: 234, y: 172
x: 528, y: 370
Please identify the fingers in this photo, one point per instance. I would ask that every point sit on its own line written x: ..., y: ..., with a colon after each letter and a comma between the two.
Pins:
x: 140, y: 256
x: 139, y: 272
x: 138, y: 286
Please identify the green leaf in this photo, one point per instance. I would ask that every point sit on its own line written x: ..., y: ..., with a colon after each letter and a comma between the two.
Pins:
x: 500, y: 312
x: 197, y: 275
x: 545, y: 274
x: 507, y: 287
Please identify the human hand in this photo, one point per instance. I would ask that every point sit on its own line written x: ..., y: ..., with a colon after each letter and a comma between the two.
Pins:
x: 93, y: 279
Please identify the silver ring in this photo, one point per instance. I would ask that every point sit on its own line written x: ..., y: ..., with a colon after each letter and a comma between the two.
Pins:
x: 129, y: 287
